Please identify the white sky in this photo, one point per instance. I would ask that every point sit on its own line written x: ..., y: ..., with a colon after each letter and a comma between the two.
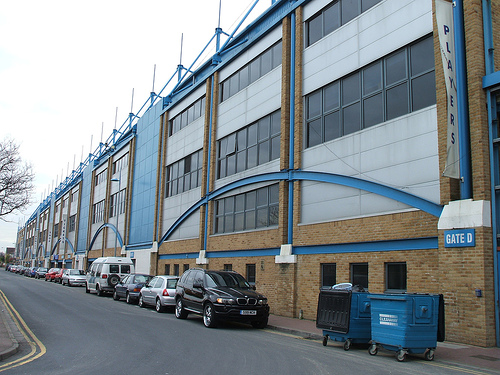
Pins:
x: 65, y: 66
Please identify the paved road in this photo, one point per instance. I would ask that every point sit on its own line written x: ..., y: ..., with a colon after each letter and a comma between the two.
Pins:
x: 83, y: 334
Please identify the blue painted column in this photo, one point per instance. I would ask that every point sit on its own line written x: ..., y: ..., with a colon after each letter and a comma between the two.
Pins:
x: 462, y: 103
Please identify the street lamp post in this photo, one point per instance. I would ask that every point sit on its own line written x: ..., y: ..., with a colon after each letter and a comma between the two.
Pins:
x: 119, y: 180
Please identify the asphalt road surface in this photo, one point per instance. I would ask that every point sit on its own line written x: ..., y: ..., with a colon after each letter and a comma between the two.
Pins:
x: 82, y: 333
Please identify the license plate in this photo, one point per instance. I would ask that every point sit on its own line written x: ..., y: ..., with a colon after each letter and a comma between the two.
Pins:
x: 248, y: 312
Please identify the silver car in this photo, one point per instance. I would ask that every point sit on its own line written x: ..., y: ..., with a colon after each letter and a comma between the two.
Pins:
x: 159, y: 292
x: 72, y: 277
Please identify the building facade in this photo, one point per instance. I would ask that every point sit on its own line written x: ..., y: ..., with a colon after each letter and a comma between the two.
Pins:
x: 308, y: 152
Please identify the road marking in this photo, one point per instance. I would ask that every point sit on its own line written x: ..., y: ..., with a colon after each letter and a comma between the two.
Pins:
x: 37, y: 348
x: 461, y: 369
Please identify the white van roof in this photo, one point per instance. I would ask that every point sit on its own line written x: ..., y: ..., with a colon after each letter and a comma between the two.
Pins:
x: 113, y: 260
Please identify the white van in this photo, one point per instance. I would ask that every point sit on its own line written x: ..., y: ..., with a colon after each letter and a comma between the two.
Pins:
x: 106, y: 272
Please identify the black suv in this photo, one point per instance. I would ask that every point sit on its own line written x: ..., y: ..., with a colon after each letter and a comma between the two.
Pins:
x: 219, y: 295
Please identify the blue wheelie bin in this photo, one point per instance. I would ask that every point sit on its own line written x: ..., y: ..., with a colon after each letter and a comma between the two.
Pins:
x: 406, y: 323
x: 344, y: 315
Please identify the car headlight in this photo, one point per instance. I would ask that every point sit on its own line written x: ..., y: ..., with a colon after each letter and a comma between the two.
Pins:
x: 225, y: 301
x: 262, y: 301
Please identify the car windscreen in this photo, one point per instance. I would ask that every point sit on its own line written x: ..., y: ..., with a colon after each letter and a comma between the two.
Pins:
x: 232, y: 280
x: 76, y: 272
x: 142, y: 279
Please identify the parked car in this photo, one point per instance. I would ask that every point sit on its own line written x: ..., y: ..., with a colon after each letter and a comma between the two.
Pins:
x: 159, y: 292
x: 72, y: 277
x: 130, y: 286
x: 40, y: 272
x: 32, y: 272
x: 58, y: 276
x: 219, y: 295
x: 51, y: 274
x: 106, y: 272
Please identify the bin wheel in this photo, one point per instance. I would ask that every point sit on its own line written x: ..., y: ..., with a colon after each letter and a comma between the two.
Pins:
x: 347, y: 344
x: 373, y: 349
x: 429, y: 354
x: 325, y: 340
x: 401, y: 355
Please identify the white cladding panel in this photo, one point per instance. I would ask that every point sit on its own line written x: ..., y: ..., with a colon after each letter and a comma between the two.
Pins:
x: 174, y: 207
x: 402, y: 153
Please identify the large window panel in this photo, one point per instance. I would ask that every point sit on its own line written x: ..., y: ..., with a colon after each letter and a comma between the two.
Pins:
x: 397, y: 101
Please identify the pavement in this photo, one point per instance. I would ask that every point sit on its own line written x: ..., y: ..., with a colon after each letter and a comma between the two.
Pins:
x: 449, y: 353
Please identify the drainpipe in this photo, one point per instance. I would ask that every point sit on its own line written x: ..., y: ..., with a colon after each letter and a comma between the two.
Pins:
x: 291, y: 148
x: 207, y: 189
x: 462, y: 104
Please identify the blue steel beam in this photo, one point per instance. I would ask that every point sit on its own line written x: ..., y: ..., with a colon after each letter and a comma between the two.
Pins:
x: 101, y: 228
x: 286, y: 175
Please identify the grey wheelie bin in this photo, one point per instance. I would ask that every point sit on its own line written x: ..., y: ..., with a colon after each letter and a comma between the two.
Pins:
x: 406, y: 323
x: 344, y: 315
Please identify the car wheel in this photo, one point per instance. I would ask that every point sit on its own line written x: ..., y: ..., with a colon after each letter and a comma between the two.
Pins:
x: 209, y: 316
x: 259, y: 324
x: 141, y: 301
x: 116, y: 297
x: 128, y: 299
x: 180, y: 313
x: 87, y: 290
x: 99, y: 291
x: 158, y: 306
x: 69, y: 283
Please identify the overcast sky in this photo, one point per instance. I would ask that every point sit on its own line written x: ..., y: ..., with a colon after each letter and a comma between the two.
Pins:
x: 66, y: 66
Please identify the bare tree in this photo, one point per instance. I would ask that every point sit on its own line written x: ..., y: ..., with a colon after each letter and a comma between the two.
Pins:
x: 16, y: 179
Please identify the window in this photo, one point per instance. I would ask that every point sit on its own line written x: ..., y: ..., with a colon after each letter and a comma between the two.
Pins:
x: 359, y: 274
x: 56, y: 230
x: 253, y: 145
x: 167, y: 269
x: 251, y: 72
x: 228, y: 267
x: 250, y: 274
x: 251, y: 210
x: 117, y: 204
x: 334, y: 16
x: 183, y: 119
x: 398, y: 84
x: 120, y: 164
x: 185, y: 174
x: 176, y: 269
x: 328, y: 274
x: 186, y: 267
x: 98, y: 212
x: 72, y: 223
x: 395, y: 277
x: 74, y: 196
x: 99, y: 178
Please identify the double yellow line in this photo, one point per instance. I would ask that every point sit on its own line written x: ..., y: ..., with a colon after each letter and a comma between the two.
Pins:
x: 37, y: 348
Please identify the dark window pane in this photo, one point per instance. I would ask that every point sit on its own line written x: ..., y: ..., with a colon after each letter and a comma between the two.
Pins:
x: 277, y: 51
x: 314, y: 29
x: 264, y: 128
x: 367, y: 4
x: 372, y: 78
x: 250, y: 220
x: 252, y: 156
x: 332, y: 126
x: 254, y: 70
x: 222, y: 147
x: 423, y: 91
x: 373, y: 110
x: 331, y: 18
x: 396, y: 276
x: 350, y: 10
x: 228, y: 205
x: 241, y: 161
x: 225, y: 89
x: 190, y: 114
x: 187, y: 182
x: 395, y: 67
x: 273, y: 215
x: 263, y: 152
x: 239, y: 221
x: 251, y: 200
x: 242, y: 139
x: 328, y: 274
x: 359, y: 275
x: 262, y: 219
x: 244, y: 78
x: 252, y: 135
x: 274, y: 192
x: 313, y: 104
x: 222, y: 168
x: 314, y: 133
x: 231, y: 165
x: 229, y: 224
x: 266, y: 62
x: 234, y: 85
x: 331, y: 97
x: 352, y: 118
x: 262, y: 197
x: 422, y: 56
x: 351, y: 89
x: 239, y: 203
x: 397, y: 101
x: 275, y: 148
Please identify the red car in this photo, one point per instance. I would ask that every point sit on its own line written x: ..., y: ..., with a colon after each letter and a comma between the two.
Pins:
x: 51, y: 274
x: 58, y: 275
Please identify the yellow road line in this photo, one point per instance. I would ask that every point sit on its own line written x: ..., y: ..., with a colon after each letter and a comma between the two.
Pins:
x: 37, y: 348
x: 456, y: 368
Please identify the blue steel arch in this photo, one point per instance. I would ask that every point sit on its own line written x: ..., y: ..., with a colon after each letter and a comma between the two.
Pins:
x: 58, y: 241
x: 298, y: 175
x: 40, y: 247
x: 101, y: 228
